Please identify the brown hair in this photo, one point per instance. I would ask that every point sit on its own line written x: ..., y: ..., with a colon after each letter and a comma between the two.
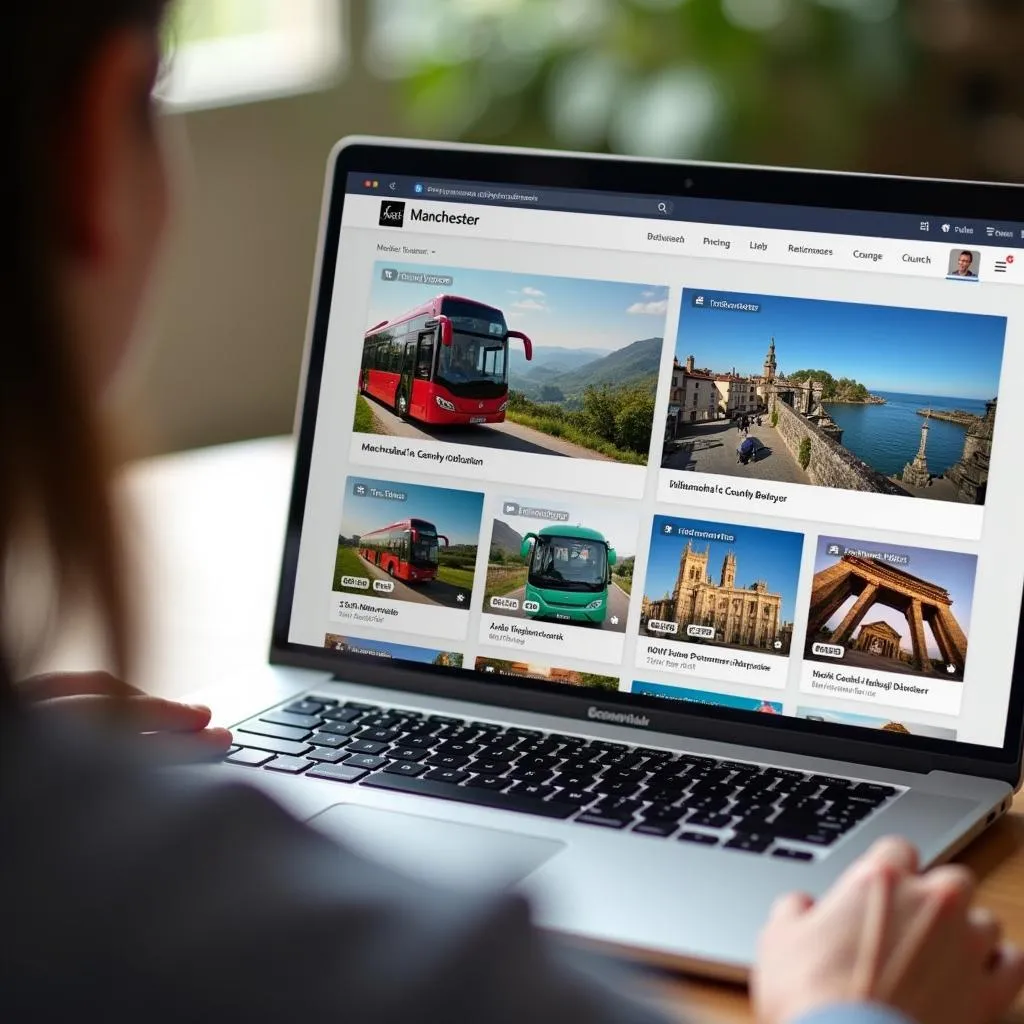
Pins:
x: 53, y: 464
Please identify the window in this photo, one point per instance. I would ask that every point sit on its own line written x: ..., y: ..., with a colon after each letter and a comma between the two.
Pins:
x: 231, y: 51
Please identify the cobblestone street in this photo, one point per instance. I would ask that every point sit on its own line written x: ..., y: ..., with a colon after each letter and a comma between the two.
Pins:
x: 711, y: 448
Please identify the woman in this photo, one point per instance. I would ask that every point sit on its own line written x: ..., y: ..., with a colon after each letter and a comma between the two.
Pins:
x: 131, y: 894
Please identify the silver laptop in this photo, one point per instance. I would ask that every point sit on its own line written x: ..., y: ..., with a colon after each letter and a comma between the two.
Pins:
x: 653, y: 538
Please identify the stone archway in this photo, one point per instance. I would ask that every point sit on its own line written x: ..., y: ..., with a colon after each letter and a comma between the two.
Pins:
x: 872, y: 582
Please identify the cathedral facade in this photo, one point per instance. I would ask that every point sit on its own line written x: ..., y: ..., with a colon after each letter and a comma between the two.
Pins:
x: 741, y: 616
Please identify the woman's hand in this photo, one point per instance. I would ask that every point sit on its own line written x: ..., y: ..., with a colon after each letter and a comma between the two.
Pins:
x: 99, y: 693
x: 886, y: 934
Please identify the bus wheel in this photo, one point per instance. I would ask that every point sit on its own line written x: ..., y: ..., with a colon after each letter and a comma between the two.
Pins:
x: 402, y: 405
x: 391, y: 570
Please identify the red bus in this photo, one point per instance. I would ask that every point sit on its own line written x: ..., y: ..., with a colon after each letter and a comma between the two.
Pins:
x: 444, y: 362
x: 407, y: 550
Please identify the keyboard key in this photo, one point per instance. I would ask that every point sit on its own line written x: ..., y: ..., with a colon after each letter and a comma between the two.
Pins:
x: 489, y: 767
x: 596, y: 818
x: 710, y: 820
x: 328, y: 739
x: 420, y: 742
x: 366, y: 761
x: 402, y: 767
x: 452, y: 775
x: 380, y: 735
x: 281, y: 732
x: 270, y: 743
x: 535, y: 776
x: 751, y: 842
x: 448, y: 760
x: 656, y: 828
x: 575, y: 797
x: 339, y: 728
x: 342, y: 715
x: 305, y: 707
x: 328, y: 754
x: 541, y: 792
x: 698, y: 837
x: 290, y: 765
x: 488, y: 782
x: 488, y: 726
x: 788, y: 854
x: 366, y: 747
x: 457, y: 747
x: 404, y: 753
x: 358, y: 706
x: 445, y: 720
x: 319, y: 699
x: 252, y: 758
x: 305, y: 722
x: 875, y: 789
x: 469, y: 795
x: 336, y: 772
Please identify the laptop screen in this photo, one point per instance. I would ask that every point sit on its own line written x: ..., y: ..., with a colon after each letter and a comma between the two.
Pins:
x: 699, y: 452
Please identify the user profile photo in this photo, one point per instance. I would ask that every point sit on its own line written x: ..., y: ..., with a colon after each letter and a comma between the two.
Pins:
x: 963, y: 264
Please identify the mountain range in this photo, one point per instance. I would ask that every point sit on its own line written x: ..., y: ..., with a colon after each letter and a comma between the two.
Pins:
x: 554, y: 380
x: 504, y: 538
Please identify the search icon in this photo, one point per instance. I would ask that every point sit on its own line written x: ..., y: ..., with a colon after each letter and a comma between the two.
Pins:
x: 665, y: 206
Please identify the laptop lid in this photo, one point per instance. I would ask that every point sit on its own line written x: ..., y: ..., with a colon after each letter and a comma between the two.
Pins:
x: 709, y: 450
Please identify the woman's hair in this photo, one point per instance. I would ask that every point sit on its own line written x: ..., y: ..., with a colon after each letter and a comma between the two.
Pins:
x: 53, y: 465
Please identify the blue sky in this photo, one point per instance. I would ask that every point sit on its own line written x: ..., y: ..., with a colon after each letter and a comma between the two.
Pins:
x: 725, y: 700
x: 456, y: 514
x: 951, y: 570
x: 772, y: 555
x: 566, y: 312
x: 422, y: 654
x: 886, y: 348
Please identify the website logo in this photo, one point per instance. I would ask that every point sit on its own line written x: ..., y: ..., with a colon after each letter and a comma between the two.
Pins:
x: 618, y: 717
x: 392, y: 213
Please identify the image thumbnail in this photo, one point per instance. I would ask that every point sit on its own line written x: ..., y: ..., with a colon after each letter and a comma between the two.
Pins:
x: 386, y: 650
x: 729, y: 586
x: 520, y: 362
x: 546, y: 673
x: 571, y: 561
x: 890, y: 607
x: 882, y: 399
x: 406, y: 542
x: 722, y: 700
x: 873, y: 722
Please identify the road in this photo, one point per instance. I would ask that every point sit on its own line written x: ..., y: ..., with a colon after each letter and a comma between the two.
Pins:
x: 618, y: 608
x: 507, y: 436
x: 435, y: 592
x: 711, y: 448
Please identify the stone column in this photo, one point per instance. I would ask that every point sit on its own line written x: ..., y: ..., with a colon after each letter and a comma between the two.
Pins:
x: 831, y: 588
x: 854, y: 616
x: 954, y: 636
x: 917, y: 639
x: 942, y: 639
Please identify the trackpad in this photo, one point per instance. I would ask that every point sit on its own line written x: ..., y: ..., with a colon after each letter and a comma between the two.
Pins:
x: 450, y: 852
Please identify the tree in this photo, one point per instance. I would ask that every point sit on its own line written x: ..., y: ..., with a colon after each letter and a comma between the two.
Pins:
x: 551, y: 393
x: 804, y: 456
x: 633, y: 421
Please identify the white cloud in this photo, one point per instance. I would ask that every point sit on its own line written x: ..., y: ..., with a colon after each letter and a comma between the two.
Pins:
x: 529, y: 304
x: 659, y: 307
x: 648, y: 294
x: 535, y: 292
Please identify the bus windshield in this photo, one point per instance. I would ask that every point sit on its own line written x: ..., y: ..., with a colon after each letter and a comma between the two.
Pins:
x: 569, y: 563
x: 424, y: 548
x: 471, y: 359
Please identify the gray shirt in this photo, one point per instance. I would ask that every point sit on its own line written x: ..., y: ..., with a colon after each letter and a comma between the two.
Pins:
x: 134, y: 893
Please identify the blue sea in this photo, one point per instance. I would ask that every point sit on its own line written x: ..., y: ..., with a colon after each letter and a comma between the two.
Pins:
x: 886, y: 436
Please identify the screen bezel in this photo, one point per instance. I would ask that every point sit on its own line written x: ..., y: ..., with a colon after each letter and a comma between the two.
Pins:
x: 868, y: 193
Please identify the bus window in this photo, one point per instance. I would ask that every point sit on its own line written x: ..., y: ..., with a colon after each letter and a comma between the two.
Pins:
x: 491, y: 362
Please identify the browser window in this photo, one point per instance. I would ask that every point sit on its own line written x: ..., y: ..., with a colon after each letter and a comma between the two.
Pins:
x: 720, y: 454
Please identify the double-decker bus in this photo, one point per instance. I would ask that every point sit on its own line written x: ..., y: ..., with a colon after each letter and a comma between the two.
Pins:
x: 407, y: 550
x: 569, y: 572
x: 445, y: 362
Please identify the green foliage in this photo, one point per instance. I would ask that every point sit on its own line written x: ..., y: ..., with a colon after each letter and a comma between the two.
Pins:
x: 347, y: 563
x: 845, y: 389
x: 364, y: 417
x: 615, y: 421
x: 775, y: 415
x: 451, y: 659
x: 597, y: 682
x: 551, y: 393
x: 804, y: 455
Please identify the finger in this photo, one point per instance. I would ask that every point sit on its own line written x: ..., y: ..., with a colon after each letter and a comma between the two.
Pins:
x: 155, y: 714
x: 52, y: 685
x: 986, y: 931
x: 896, y: 852
x: 1006, y: 980
x: 952, y: 885
x: 790, y: 906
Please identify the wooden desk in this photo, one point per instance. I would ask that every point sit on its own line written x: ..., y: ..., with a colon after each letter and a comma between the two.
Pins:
x: 210, y: 524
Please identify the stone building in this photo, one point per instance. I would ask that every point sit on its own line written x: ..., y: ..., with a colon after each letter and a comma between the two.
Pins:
x: 879, y: 638
x: 970, y: 475
x: 741, y: 616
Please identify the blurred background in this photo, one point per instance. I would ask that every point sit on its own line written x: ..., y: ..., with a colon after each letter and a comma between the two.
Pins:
x: 258, y: 90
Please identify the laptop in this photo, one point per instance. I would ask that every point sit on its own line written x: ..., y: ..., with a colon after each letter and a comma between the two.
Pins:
x: 652, y: 541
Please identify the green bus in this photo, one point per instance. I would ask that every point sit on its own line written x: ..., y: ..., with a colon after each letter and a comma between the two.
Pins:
x: 569, y: 572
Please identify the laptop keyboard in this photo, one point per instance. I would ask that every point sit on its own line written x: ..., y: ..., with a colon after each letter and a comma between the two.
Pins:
x: 739, y: 805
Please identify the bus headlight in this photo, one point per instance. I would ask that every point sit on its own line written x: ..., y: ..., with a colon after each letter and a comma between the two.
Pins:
x: 503, y: 406
x: 594, y: 605
x: 444, y: 403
